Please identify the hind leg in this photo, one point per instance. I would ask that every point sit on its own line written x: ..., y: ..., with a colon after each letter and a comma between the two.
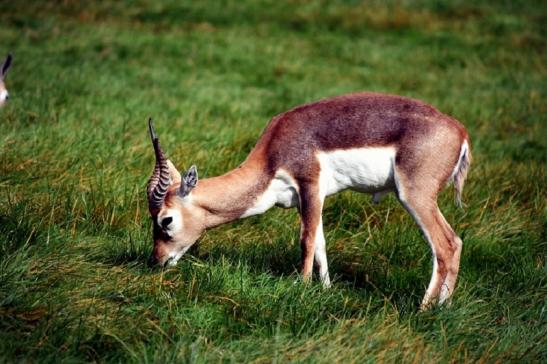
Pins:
x: 421, y: 203
x: 456, y: 243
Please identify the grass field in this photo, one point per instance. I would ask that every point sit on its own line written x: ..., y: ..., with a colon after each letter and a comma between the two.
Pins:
x: 75, y: 156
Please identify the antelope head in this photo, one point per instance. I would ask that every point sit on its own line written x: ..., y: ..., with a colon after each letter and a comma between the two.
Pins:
x: 3, y: 71
x: 177, y: 221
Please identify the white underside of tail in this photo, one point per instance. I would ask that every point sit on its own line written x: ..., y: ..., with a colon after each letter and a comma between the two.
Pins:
x: 463, y: 150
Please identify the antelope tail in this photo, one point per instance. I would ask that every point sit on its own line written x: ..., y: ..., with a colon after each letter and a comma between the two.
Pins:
x: 460, y: 172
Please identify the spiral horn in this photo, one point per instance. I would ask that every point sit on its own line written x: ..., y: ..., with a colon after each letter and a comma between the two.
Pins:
x: 159, y: 181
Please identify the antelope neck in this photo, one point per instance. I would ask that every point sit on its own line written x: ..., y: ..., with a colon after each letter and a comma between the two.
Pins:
x: 225, y: 198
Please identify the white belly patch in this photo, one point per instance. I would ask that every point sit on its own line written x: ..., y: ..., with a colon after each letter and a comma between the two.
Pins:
x: 361, y: 169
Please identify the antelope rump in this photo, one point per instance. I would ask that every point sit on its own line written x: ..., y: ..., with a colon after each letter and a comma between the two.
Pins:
x: 367, y: 142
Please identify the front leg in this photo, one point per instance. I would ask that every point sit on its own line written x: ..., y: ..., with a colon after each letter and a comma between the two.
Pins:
x: 321, y: 255
x: 312, y: 240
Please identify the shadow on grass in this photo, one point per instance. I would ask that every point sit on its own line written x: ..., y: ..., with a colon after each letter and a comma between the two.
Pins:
x: 388, y: 271
x: 401, y: 288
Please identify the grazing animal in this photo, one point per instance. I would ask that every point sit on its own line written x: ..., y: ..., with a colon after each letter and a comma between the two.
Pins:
x: 4, y: 96
x: 367, y: 142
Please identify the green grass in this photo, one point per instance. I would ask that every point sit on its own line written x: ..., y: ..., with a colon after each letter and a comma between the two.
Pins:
x: 75, y: 157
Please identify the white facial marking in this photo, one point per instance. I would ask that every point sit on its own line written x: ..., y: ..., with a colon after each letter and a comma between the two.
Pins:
x: 176, y: 223
x: 175, y: 256
x: 282, y: 191
x: 361, y: 169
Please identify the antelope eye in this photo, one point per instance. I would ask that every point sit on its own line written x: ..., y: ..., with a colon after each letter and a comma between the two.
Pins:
x: 165, y: 222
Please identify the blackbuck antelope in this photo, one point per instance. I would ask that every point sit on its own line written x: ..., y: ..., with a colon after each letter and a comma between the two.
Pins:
x: 366, y: 142
x: 3, y: 91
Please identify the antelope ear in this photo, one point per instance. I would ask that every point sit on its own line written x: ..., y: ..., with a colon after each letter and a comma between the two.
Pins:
x: 173, y: 173
x: 7, y: 64
x: 189, y: 181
